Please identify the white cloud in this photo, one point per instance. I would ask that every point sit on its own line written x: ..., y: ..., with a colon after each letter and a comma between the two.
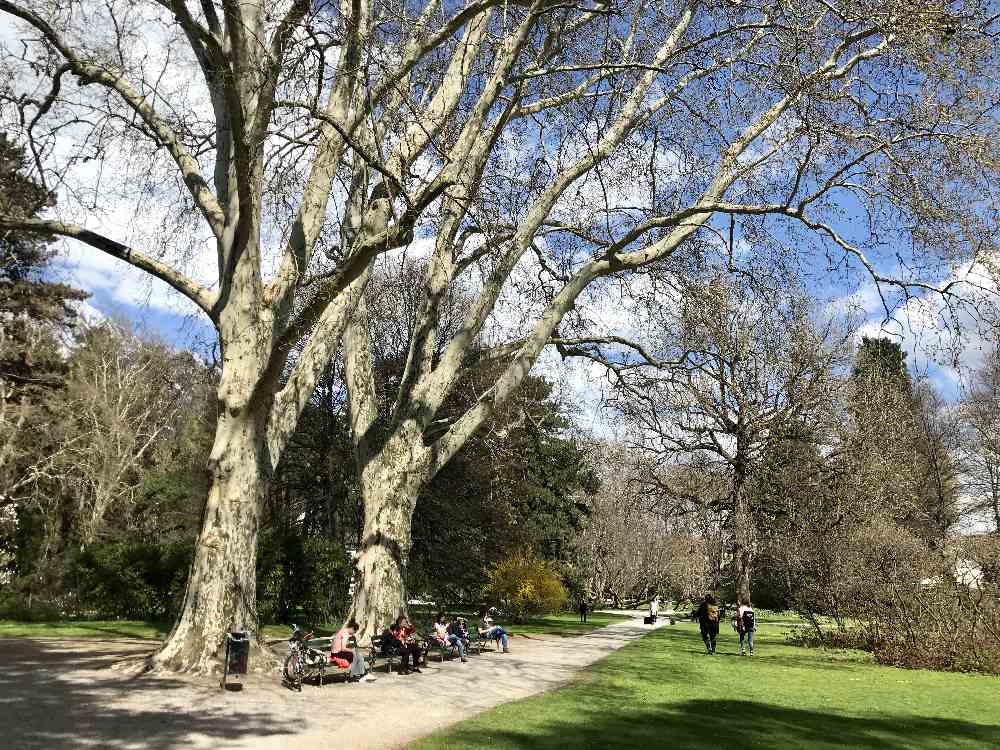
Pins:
x: 945, y: 341
x: 102, y: 275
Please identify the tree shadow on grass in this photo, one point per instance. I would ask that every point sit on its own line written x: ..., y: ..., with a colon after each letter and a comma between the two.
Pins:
x: 711, y: 724
x: 54, y: 697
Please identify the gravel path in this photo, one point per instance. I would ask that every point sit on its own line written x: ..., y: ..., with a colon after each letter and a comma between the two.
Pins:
x: 61, y: 694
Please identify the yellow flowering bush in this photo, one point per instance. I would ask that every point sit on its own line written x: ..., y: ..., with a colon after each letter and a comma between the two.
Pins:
x: 524, y: 585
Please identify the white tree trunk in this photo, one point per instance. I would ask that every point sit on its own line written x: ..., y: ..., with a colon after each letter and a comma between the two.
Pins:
x: 390, y: 492
x: 221, y: 587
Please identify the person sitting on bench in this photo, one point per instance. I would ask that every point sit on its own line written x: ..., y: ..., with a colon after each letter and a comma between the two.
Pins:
x: 446, y: 638
x: 344, y: 652
x: 489, y: 630
x: 456, y: 627
x: 399, y: 639
x: 410, y: 636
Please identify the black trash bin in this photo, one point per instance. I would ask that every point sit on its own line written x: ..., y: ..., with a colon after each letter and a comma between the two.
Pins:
x: 237, y: 655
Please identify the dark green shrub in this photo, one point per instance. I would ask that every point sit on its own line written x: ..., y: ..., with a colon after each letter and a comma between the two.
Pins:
x: 301, y: 580
x: 15, y: 606
x: 131, y: 580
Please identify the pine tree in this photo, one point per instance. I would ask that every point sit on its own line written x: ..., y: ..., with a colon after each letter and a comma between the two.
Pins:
x: 28, y: 301
x: 905, y: 442
x: 34, y: 314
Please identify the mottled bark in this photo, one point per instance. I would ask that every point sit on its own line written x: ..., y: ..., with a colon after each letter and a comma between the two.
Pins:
x: 221, y: 587
x: 221, y: 590
x: 390, y: 486
x: 380, y: 595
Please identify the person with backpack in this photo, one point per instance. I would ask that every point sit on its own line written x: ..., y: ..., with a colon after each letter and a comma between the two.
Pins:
x: 745, y: 624
x: 708, y: 620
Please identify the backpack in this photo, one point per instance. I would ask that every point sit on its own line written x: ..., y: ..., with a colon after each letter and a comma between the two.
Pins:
x: 748, y: 624
x: 713, y: 613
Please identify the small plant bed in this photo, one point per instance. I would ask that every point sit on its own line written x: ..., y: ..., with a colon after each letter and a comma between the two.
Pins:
x: 664, y: 691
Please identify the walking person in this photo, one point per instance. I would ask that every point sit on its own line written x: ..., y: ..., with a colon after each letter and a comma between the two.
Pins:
x: 584, y: 609
x: 708, y: 622
x: 654, y: 607
x: 745, y: 624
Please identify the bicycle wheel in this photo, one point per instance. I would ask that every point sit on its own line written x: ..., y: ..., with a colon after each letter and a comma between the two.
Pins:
x: 292, y: 670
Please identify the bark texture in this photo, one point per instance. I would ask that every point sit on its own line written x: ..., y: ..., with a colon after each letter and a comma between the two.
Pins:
x: 221, y: 587
x: 380, y: 596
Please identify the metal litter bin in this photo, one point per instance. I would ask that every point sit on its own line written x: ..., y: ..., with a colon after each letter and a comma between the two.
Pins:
x: 237, y: 655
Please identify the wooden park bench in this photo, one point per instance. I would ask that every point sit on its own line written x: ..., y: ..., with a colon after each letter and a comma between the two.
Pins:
x: 474, y: 644
x: 377, y: 652
x: 481, y: 641
x: 373, y: 657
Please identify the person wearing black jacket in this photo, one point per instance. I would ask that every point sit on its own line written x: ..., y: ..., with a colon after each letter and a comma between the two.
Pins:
x: 457, y: 628
x: 709, y: 614
x: 394, y: 641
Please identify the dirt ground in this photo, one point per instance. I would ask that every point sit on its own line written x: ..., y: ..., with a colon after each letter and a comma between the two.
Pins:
x: 62, y: 694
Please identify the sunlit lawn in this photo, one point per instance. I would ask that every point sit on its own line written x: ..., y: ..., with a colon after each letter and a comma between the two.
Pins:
x: 560, y: 624
x: 663, y: 691
x: 84, y: 629
x: 115, y: 629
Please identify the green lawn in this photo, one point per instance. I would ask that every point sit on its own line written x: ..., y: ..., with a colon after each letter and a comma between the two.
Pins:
x: 560, y: 625
x: 665, y: 692
x: 565, y: 624
x: 115, y: 629
x: 84, y: 629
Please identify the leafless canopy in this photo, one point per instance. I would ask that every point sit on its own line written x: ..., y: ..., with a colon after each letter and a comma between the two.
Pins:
x: 309, y: 137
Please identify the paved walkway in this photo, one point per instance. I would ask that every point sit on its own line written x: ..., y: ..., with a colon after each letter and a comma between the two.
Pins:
x: 60, y: 694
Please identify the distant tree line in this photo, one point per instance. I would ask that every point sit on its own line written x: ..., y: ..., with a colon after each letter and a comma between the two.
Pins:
x: 812, y: 473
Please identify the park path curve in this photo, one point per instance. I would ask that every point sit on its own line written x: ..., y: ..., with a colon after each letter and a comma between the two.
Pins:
x: 61, y: 694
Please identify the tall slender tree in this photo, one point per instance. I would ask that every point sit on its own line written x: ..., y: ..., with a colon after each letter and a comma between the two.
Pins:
x: 905, y: 442
x: 981, y: 412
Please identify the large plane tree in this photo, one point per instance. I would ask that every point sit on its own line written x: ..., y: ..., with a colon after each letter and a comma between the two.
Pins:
x: 540, y: 153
